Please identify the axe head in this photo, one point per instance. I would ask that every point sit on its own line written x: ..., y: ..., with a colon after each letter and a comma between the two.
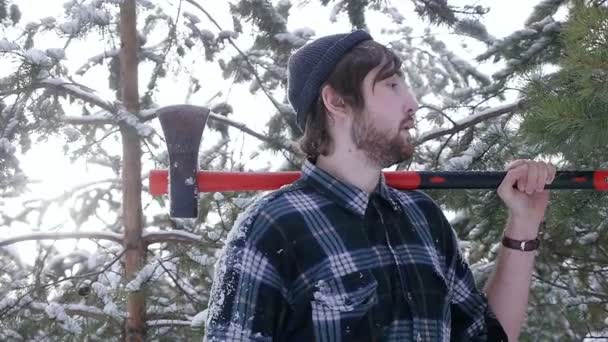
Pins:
x: 183, y: 127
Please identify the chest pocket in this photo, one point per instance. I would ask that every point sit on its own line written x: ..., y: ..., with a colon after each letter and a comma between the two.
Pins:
x: 340, y: 305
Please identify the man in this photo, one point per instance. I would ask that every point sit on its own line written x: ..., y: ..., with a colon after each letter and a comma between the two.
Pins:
x: 339, y: 255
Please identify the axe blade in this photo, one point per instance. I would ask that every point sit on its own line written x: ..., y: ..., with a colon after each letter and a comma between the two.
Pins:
x: 183, y: 127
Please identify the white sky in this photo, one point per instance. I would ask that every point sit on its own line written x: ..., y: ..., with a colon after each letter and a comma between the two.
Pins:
x: 47, y: 164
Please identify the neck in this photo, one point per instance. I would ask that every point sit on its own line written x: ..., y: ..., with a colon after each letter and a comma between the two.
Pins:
x: 350, y: 165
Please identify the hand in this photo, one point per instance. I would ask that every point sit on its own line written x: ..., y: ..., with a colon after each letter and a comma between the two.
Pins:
x: 522, y: 191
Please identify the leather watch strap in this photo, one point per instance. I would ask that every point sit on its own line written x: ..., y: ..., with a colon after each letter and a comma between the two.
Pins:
x: 521, y: 245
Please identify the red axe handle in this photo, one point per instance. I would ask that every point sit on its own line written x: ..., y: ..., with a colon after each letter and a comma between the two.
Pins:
x: 212, y: 181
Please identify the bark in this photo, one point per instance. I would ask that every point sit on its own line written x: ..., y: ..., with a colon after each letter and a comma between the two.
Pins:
x: 131, y: 176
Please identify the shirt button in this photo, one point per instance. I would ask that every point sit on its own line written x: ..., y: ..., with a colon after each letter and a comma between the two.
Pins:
x: 409, y: 297
x: 419, y: 337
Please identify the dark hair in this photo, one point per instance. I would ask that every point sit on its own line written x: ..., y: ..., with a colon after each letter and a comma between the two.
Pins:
x: 347, y: 80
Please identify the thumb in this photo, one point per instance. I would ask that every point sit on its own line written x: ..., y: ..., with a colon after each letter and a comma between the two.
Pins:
x: 516, y: 176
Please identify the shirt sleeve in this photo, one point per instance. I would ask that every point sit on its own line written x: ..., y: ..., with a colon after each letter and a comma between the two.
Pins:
x: 472, y: 317
x: 247, y: 300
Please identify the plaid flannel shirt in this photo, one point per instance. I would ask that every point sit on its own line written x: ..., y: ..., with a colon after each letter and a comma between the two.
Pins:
x: 321, y: 260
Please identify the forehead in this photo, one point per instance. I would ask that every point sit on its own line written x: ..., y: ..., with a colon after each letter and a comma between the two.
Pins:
x: 386, y: 69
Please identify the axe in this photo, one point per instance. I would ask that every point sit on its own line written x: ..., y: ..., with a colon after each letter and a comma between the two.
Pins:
x: 183, y: 127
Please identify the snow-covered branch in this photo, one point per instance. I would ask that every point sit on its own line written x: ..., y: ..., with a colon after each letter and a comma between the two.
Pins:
x: 56, y: 310
x: 95, y: 235
x: 471, y: 120
x: 245, y: 57
x: 77, y: 90
x: 170, y: 236
x: 147, y: 53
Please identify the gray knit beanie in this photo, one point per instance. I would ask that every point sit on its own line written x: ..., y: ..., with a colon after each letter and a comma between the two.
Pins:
x: 310, y: 66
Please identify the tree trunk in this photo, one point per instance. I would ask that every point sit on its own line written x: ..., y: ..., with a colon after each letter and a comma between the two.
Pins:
x: 131, y: 168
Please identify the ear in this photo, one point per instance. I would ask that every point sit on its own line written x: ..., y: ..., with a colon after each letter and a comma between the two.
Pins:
x: 334, y: 103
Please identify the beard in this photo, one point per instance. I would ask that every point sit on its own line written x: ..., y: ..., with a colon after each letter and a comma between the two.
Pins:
x: 381, y: 149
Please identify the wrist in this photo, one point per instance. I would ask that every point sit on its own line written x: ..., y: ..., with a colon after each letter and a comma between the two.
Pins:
x: 521, y: 245
x: 521, y: 228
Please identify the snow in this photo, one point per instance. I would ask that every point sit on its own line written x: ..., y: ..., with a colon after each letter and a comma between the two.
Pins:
x: 71, y: 28
x: 113, y: 276
x: 199, y: 319
x: 31, y: 26
x: 57, y: 54
x: 130, y: 119
x: 7, y: 302
x: 304, y: 32
x: 48, y: 22
x: 171, y: 234
x: 149, y: 272
x: 145, y: 4
x: 201, y: 259
x: 589, y: 238
x: 463, y: 161
x: 227, y: 34
x: 6, y: 333
x: 333, y: 15
x: 395, y: 15
x: 38, y: 57
x: 152, y: 270
x: 218, y: 196
x: 206, y: 34
x: 77, y: 89
x: 552, y: 27
x: 472, y: 119
x: 192, y: 17
x: 189, y: 181
x: 56, y: 311
x: 5, y: 45
x: 6, y: 147
x: 290, y: 39
x: 71, y: 133
x: 325, y: 295
x: 243, y: 203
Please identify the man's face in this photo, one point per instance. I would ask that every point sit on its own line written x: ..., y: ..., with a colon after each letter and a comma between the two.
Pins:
x: 382, y: 129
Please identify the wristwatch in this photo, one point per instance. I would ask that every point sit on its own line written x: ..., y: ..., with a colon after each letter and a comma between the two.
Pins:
x: 520, y: 245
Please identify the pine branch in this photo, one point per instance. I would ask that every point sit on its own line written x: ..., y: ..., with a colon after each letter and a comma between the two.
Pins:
x: 471, y: 120
x: 168, y: 44
x: 171, y: 236
x: 78, y: 91
x: 179, y: 284
x: 275, y: 103
x: 98, y: 235
x: 147, y: 53
x: 21, y: 298
x: 150, y: 114
x: 438, y: 110
x: 78, y: 310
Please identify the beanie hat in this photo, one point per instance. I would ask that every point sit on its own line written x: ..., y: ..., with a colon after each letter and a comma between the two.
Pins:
x: 310, y: 66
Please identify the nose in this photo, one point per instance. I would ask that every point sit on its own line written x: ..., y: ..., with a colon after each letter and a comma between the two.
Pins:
x: 411, y: 105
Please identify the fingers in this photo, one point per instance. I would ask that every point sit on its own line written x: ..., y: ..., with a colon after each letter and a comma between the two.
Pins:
x: 515, y: 164
x: 530, y: 176
x: 551, y: 173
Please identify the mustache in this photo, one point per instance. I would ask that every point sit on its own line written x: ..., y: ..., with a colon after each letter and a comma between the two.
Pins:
x: 407, y: 123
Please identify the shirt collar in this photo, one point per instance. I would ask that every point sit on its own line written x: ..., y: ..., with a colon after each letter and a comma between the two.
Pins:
x: 344, y: 194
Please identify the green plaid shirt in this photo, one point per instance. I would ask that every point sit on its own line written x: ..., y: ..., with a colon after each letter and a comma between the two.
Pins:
x: 321, y: 260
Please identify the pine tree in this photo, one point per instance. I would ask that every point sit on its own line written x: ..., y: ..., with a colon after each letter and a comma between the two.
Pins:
x: 471, y: 120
